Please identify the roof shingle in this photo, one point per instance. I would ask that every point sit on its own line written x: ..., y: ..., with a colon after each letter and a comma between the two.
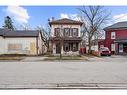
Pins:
x: 65, y: 21
x: 18, y: 33
x: 117, y: 26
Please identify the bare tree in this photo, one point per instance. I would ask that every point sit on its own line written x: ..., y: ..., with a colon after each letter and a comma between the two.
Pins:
x: 25, y: 27
x: 61, y: 38
x: 94, y: 18
x: 45, y: 35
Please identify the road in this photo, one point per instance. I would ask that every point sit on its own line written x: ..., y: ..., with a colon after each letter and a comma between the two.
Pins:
x: 105, y: 72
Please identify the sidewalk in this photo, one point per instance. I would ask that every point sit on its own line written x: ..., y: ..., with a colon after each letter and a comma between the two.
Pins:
x: 33, y: 59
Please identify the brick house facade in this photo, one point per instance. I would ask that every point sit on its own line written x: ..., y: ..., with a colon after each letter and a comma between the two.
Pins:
x: 116, y: 38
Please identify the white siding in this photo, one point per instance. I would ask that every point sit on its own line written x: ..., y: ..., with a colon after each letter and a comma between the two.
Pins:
x: 2, y: 45
x: 63, y: 26
x: 24, y: 41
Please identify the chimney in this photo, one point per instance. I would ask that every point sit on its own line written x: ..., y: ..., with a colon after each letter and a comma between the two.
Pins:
x: 49, y: 20
x: 53, y: 18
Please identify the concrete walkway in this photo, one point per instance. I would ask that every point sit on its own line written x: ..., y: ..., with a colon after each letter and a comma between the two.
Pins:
x: 33, y: 59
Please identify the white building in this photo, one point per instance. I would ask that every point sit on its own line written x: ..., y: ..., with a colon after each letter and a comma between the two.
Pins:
x: 27, y: 42
x: 65, y: 36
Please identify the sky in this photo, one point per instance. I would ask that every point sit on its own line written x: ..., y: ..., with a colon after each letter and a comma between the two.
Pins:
x: 33, y: 16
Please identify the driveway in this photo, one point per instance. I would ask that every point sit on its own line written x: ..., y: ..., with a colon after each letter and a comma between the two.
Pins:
x: 113, y: 58
x: 109, y: 73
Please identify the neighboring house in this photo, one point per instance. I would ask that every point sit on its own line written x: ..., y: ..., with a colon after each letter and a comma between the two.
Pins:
x: 97, y: 43
x: 66, y: 32
x: 27, y: 42
x: 116, y: 38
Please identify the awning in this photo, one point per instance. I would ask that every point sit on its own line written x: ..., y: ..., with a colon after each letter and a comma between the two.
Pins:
x: 120, y: 41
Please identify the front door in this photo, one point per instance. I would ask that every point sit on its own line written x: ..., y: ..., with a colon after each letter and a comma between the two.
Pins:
x: 125, y: 48
x: 58, y: 48
x: 120, y: 48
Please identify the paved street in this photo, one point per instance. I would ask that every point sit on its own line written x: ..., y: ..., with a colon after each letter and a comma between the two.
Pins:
x: 97, y: 72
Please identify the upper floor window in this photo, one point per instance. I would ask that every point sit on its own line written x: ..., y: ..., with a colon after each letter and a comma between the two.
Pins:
x: 113, y: 35
x: 57, y: 32
x: 75, y: 32
x: 66, y: 32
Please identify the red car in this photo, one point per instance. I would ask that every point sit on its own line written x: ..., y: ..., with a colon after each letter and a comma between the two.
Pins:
x: 104, y: 51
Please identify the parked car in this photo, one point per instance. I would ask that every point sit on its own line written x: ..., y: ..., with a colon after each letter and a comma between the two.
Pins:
x: 104, y: 51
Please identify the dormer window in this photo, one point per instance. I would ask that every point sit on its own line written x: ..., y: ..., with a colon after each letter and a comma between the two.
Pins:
x: 113, y: 35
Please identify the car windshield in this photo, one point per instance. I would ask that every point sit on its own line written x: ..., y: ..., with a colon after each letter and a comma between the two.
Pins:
x: 104, y: 49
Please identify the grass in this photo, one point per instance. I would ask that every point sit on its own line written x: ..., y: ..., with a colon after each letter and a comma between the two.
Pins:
x: 53, y: 58
x: 11, y: 57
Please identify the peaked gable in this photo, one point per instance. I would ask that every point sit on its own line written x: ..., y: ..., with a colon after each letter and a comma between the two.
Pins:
x: 65, y: 21
x: 117, y: 26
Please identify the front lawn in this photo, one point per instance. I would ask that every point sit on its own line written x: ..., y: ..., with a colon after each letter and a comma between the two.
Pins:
x: 11, y: 57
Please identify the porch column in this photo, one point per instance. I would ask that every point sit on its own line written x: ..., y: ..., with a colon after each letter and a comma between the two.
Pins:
x: 116, y: 48
x: 62, y: 51
x: 78, y: 46
x: 54, y: 48
x: 120, y: 48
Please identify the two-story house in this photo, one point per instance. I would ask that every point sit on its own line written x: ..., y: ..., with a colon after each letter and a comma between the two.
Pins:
x: 65, y: 36
x: 116, y: 38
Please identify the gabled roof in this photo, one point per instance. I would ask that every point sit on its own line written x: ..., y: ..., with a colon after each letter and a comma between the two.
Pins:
x: 65, y: 21
x: 117, y: 26
x: 18, y: 33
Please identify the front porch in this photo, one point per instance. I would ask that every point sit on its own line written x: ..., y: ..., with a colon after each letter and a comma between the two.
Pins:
x: 66, y: 48
x: 121, y: 46
x: 66, y: 45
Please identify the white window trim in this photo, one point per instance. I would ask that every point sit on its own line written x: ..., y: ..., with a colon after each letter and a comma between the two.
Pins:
x: 113, y: 35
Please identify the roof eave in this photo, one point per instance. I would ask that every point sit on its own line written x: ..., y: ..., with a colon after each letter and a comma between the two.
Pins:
x: 108, y: 29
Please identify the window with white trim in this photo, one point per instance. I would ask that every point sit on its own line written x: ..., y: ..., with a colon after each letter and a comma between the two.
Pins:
x: 75, y: 32
x: 66, y: 32
x: 112, y: 47
x: 113, y: 35
x: 57, y: 32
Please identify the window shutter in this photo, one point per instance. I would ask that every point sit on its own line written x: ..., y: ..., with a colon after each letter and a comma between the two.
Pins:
x: 55, y: 32
x: 76, y: 32
x: 71, y: 32
x: 64, y: 33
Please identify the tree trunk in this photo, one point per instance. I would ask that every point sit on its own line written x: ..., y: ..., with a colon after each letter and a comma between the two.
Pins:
x: 61, y: 42
x: 89, y: 50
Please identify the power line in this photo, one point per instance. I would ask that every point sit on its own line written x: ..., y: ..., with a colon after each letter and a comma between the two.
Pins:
x: 121, y: 16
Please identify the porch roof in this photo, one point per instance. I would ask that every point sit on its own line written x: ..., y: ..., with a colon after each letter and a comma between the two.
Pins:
x: 77, y: 39
x: 120, y: 41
